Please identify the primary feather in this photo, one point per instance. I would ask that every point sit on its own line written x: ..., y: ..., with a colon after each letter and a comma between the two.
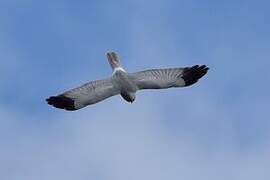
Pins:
x: 89, y: 93
x: 166, y: 78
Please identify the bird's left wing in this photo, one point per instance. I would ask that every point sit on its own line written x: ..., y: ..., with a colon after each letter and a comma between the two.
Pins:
x: 166, y: 78
x: 89, y: 93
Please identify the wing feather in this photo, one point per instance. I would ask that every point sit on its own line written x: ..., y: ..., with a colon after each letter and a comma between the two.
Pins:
x: 89, y: 93
x: 166, y: 78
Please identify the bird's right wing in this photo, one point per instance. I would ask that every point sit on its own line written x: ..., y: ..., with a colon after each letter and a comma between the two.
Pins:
x: 89, y: 93
x: 166, y: 78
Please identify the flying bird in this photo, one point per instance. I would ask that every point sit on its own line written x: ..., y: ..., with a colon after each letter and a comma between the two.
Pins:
x: 126, y: 84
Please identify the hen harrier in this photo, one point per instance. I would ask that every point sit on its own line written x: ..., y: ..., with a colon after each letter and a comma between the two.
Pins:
x: 126, y: 84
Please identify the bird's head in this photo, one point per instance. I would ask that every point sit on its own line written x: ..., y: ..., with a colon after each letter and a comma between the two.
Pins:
x: 129, y: 97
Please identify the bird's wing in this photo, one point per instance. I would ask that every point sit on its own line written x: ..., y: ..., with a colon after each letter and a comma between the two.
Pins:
x: 166, y: 78
x: 89, y: 93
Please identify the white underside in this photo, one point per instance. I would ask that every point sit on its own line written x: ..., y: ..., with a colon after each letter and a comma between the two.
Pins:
x: 118, y: 69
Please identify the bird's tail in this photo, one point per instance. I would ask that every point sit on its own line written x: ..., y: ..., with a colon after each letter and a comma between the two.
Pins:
x: 113, y: 60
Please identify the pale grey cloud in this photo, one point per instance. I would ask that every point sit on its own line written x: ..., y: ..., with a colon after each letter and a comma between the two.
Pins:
x: 134, y: 144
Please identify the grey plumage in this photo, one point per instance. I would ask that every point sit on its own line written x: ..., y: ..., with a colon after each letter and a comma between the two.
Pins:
x: 158, y: 78
x: 126, y: 84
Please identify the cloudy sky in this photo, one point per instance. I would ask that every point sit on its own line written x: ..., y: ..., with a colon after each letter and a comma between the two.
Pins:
x: 216, y: 129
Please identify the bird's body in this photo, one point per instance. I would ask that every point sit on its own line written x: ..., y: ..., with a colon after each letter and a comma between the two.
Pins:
x: 126, y: 84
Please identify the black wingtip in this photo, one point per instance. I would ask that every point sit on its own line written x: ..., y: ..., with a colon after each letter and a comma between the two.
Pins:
x: 61, y: 102
x: 192, y: 74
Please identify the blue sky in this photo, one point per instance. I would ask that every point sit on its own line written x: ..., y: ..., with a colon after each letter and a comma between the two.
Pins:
x: 216, y: 129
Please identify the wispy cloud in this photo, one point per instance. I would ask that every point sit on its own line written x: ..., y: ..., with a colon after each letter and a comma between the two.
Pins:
x: 134, y: 144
